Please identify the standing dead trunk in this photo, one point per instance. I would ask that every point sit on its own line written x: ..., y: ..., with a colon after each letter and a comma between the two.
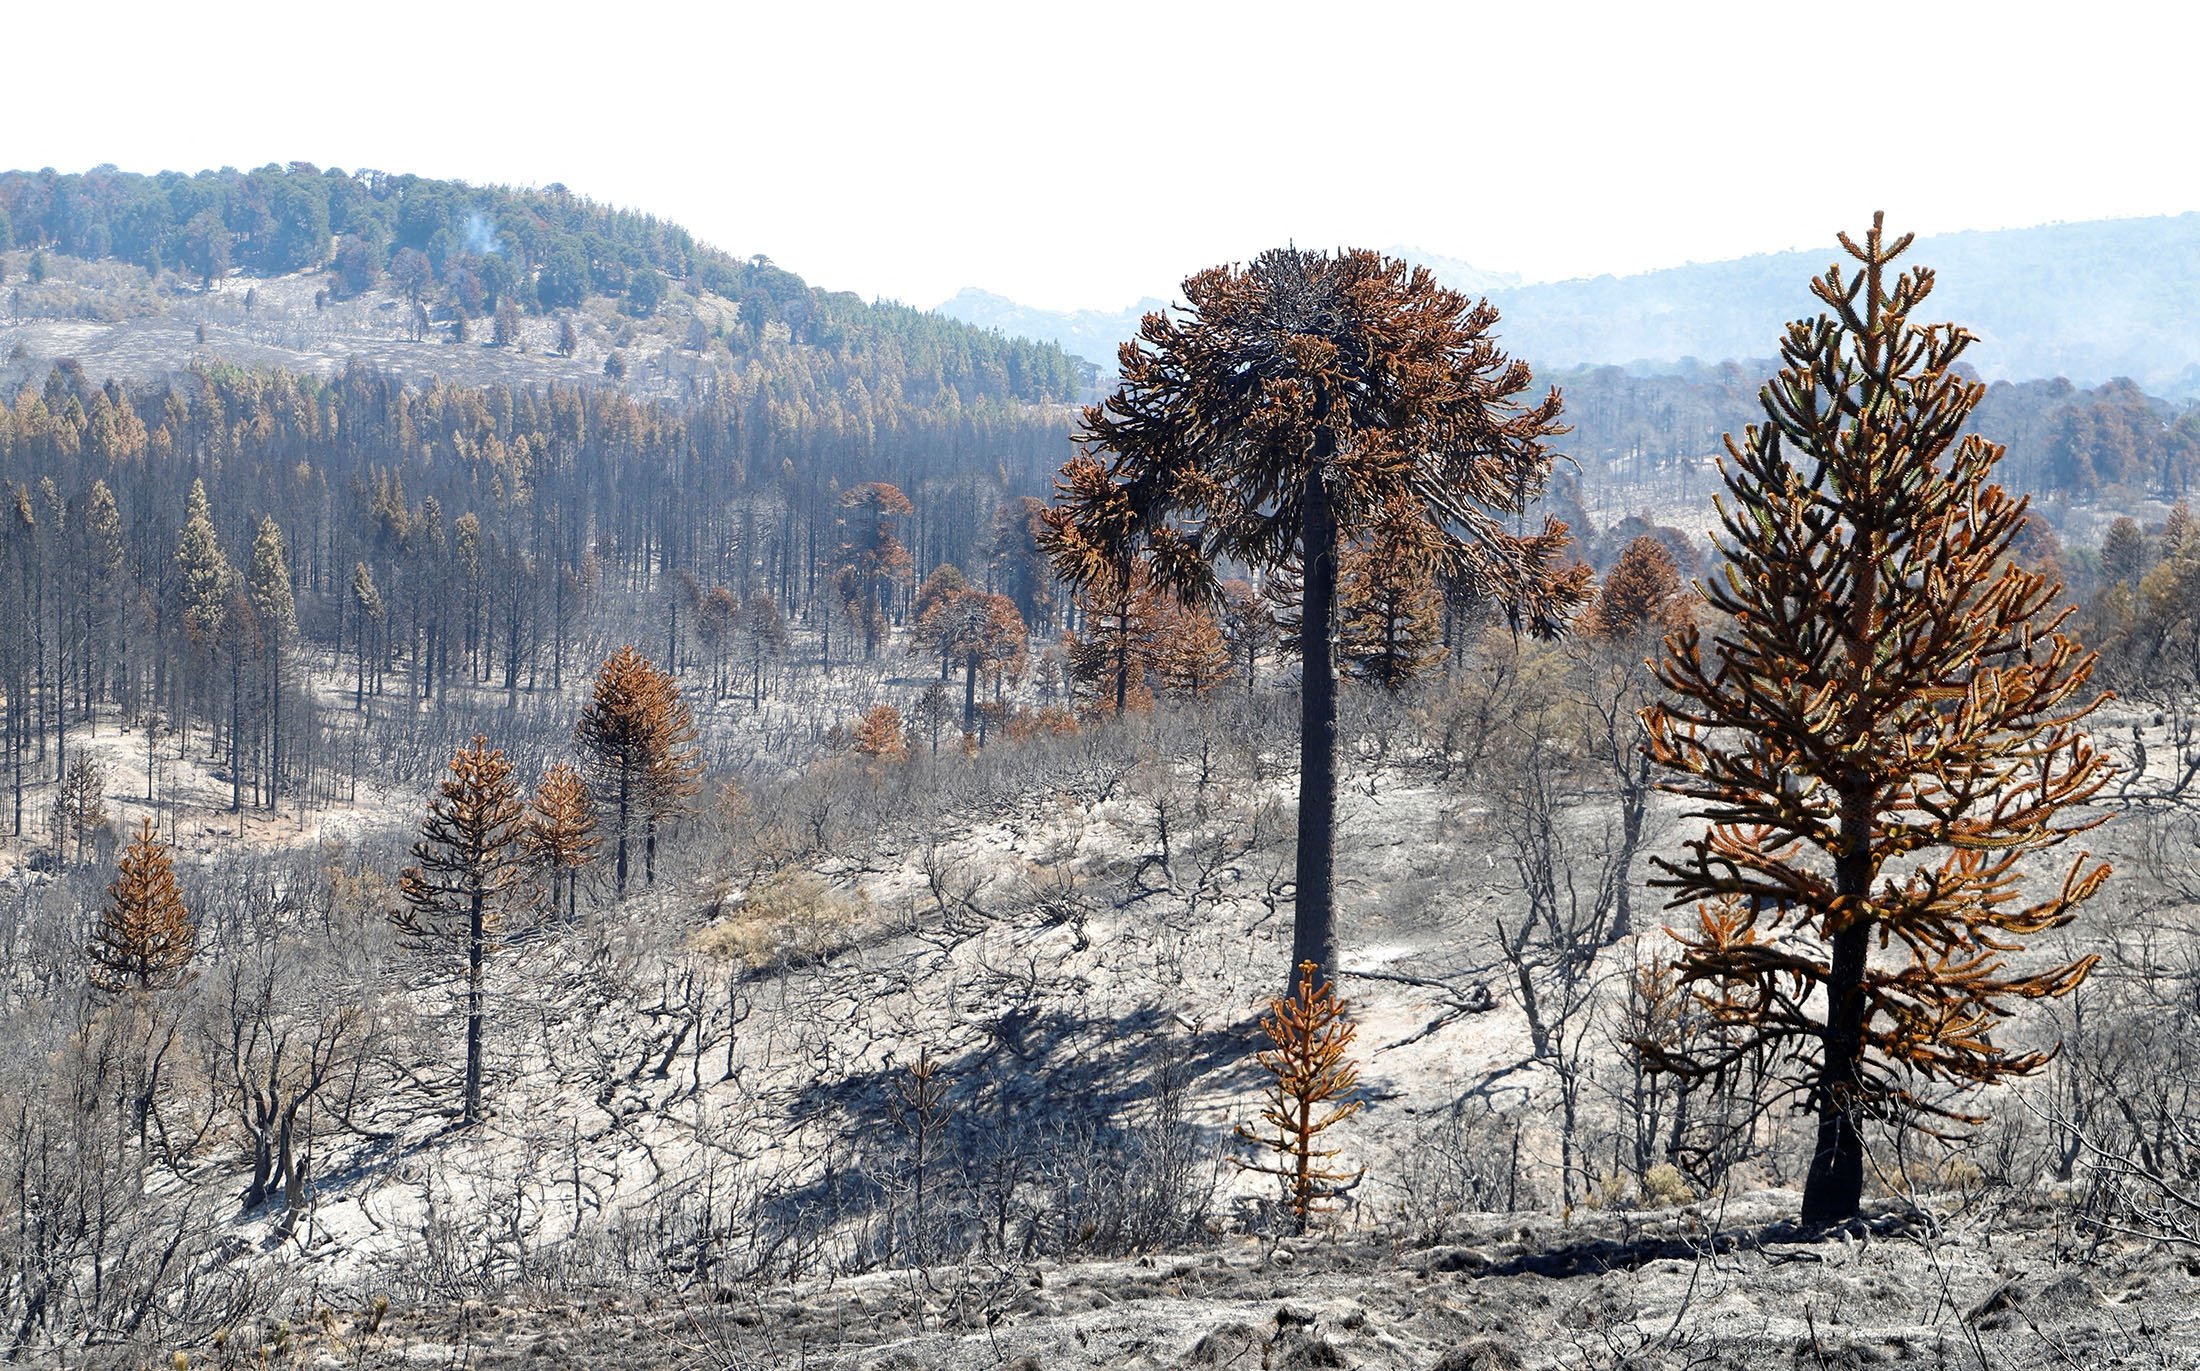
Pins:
x: 1314, y: 924
x: 477, y: 953
x: 1833, y: 1189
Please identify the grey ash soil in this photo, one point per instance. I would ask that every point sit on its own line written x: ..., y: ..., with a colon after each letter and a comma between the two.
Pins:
x: 1611, y: 1291
x: 143, y: 329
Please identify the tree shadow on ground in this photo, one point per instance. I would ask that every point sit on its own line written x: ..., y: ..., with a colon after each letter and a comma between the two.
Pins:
x: 1778, y: 1242
x: 1033, y: 1094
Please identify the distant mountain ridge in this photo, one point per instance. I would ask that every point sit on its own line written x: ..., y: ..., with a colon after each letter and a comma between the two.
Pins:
x: 1093, y: 334
x: 2088, y: 301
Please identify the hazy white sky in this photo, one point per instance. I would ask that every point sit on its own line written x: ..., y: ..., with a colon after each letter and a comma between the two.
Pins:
x: 1086, y: 156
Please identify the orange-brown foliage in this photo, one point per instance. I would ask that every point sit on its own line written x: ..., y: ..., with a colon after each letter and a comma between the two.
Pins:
x: 1884, y: 736
x: 1642, y: 592
x: 879, y: 735
x: 1311, y: 1077
x: 146, y: 937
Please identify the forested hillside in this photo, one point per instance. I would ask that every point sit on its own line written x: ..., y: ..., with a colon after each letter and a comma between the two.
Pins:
x: 1643, y: 443
x: 452, y: 532
x: 1090, y: 334
x: 477, y: 264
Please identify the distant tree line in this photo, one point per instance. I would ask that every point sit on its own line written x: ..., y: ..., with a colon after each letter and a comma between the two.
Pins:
x: 2062, y: 439
x: 164, y: 545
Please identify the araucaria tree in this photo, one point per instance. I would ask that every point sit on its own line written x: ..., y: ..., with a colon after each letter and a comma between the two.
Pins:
x: 637, y: 737
x: 145, y: 938
x: 1642, y: 592
x: 1290, y: 406
x: 560, y: 837
x: 879, y: 737
x: 1311, y: 1080
x: 1880, y: 734
x: 466, y: 863
x: 872, y: 558
x: 1390, y: 626
x: 979, y: 632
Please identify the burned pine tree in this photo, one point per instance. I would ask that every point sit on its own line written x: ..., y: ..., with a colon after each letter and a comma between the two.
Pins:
x: 1881, y: 732
x: 637, y: 739
x: 464, y: 867
x: 146, y: 938
x: 1290, y: 405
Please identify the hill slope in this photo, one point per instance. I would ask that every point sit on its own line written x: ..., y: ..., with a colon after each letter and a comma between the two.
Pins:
x: 478, y: 264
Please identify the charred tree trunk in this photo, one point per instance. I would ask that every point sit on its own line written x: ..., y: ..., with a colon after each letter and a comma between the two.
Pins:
x: 274, y: 726
x: 1314, y: 923
x: 288, y: 1166
x: 1634, y: 805
x: 236, y: 732
x: 625, y: 809
x: 1833, y: 1190
x: 477, y: 952
x: 263, y: 1161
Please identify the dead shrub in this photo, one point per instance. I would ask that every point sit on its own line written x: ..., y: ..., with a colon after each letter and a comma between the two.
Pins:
x: 790, y: 917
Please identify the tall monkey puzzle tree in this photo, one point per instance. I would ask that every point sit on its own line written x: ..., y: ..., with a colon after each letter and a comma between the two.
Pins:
x: 981, y: 633
x: 872, y: 558
x: 560, y: 834
x: 1880, y: 735
x: 1276, y: 417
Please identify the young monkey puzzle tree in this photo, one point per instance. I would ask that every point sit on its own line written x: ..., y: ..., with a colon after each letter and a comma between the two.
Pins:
x: 1292, y: 403
x: 1311, y: 1080
x: 146, y: 938
x: 1883, y: 733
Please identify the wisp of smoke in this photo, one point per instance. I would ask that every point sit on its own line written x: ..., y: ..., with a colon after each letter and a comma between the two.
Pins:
x: 481, y: 236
